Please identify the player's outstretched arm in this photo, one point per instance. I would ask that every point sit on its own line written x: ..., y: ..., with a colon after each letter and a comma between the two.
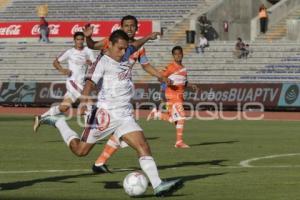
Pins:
x: 154, y: 72
x: 88, y: 32
x: 138, y: 43
x: 60, y: 68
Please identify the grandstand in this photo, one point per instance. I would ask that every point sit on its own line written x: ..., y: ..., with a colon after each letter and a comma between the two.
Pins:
x: 103, y: 10
x: 276, y: 61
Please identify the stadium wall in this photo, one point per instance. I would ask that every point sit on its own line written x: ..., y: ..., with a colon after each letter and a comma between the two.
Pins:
x: 229, y: 96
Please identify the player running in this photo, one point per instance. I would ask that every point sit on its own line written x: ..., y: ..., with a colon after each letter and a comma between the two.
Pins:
x: 114, y: 113
x: 177, y: 73
x: 129, y: 24
x: 78, y: 58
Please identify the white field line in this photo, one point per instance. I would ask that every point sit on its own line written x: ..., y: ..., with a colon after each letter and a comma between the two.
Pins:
x: 246, y: 163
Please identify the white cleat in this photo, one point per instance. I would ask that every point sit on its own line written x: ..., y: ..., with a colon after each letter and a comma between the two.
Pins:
x: 36, y: 123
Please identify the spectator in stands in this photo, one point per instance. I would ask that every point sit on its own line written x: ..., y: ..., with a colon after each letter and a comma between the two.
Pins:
x: 205, y: 24
x: 44, y: 30
x: 263, y: 17
x: 201, y: 21
x: 206, y: 28
x: 202, y: 43
x: 241, y: 49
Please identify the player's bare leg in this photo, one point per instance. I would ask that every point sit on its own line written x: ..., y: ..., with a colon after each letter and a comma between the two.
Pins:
x: 80, y: 148
x: 70, y: 137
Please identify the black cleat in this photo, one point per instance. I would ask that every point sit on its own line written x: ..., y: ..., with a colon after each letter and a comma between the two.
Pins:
x: 100, y: 169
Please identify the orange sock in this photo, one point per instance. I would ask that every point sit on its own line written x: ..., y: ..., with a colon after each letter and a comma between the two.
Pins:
x: 179, y: 131
x: 110, y: 148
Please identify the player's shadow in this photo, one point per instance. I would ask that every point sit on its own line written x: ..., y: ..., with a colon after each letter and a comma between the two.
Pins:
x: 118, y: 185
x: 213, y: 143
x: 184, y: 164
x: 152, y: 138
x: 99, y: 142
x: 21, y: 184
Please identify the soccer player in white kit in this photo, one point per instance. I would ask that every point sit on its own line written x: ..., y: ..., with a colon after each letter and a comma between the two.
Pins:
x: 78, y: 58
x: 129, y: 24
x: 114, y: 114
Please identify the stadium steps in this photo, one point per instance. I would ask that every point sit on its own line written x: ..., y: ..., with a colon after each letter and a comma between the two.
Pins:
x: 279, y: 30
x: 4, y: 4
x: 176, y: 34
x: 167, y: 11
x: 270, y: 62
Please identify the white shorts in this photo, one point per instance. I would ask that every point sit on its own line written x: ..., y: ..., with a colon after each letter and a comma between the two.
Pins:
x: 73, y: 90
x: 101, y: 124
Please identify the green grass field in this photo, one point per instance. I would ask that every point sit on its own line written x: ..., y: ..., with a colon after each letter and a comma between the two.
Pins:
x: 210, y: 169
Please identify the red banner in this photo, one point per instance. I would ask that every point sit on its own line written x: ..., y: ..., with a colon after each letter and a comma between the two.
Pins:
x: 66, y: 28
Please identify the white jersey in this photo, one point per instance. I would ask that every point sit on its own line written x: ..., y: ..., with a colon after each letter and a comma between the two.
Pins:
x: 117, y: 87
x: 77, y: 62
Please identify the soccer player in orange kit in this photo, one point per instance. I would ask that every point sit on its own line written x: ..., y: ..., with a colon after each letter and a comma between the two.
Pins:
x: 177, y: 73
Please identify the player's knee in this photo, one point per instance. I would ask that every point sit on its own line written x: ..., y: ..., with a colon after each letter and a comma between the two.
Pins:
x: 81, y: 153
x: 64, y: 108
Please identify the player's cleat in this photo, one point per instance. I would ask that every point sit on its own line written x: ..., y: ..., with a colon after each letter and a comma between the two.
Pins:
x: 153, y: 114
x: 181, y: 145
x: 101, y: 169
x: 50, y: 120
x: 36, y: 123
x: 167, y: 188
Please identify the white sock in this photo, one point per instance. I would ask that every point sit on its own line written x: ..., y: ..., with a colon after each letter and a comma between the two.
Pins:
x: 149, y: 167
x: 54, y: 110
x: 66, y: 132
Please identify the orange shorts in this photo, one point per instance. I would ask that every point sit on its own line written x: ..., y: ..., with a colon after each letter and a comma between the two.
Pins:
x: 176, y: 110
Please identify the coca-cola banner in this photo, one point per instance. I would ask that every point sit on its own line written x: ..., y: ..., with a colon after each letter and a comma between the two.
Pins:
x: 66, y: 28
x: 230, y: 95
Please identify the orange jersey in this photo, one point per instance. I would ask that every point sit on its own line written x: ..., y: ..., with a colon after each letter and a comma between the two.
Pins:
x: 105, y: 45
x: 178, y: 75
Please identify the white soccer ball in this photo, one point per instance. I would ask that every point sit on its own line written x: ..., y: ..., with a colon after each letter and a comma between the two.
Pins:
x: 135, y: 184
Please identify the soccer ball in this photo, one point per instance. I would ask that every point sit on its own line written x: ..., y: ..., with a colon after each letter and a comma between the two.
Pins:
x: 135, y: 184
